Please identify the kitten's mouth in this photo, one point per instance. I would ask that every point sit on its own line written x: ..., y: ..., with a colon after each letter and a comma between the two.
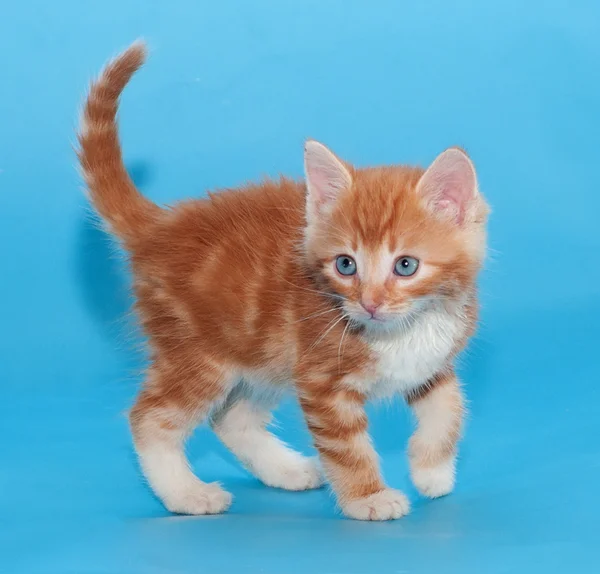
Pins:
x: 370, y: 319
x: 387, y: 320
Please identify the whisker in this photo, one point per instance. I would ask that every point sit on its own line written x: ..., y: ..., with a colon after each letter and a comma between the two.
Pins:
x: 327, y: 293
x: 340, y: 346
x: 327, y: 330
x: 317, y: 314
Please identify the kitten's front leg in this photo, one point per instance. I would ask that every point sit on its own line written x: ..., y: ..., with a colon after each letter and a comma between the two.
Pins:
x: 439, y: 410
x: 338, y: 423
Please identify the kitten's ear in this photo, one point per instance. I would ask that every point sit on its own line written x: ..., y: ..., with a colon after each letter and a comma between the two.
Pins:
x: 449, y: 186
x: 326, y: 177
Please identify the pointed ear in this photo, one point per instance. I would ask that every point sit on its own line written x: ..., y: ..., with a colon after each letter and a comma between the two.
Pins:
x: 449, y: 186
x: 326, y: 177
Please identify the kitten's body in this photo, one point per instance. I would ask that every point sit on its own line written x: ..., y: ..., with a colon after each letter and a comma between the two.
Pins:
x: 238, y: 298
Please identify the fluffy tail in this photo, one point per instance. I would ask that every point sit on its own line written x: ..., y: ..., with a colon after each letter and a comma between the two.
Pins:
x: 128, y: 213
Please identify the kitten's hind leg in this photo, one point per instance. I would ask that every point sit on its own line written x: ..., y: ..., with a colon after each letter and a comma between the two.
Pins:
x: 242, y: 425
x: 166, y: 412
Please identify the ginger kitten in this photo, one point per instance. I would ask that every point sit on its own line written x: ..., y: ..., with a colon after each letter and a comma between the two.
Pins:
x: 358, y: 284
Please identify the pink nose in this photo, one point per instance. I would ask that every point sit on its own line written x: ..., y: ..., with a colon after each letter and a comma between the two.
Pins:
x: 370, y: 307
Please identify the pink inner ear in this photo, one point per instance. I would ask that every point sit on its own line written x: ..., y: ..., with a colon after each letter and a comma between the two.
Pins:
x: 449, y: 184
x: 326, y: 176
x: 324, y: 182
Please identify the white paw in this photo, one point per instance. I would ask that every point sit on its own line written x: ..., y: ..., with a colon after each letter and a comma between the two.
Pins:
x: 435, y: 481
x: 295, y: 472
x: 388, y: 504
x: 199, y: 498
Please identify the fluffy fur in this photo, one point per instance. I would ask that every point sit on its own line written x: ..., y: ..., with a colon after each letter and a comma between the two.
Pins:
x: 239, y: 295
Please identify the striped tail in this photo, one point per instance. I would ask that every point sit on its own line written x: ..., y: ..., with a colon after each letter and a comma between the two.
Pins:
x: 128, y: 213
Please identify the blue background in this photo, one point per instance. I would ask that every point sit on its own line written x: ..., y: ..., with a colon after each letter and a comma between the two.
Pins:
x: 229, y: 94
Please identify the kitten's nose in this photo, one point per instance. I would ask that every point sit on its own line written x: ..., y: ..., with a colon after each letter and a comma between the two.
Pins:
x: 370, y: 306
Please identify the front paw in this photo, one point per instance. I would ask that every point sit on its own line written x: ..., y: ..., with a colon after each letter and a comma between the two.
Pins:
x: 387, y: 504
x: 434, y: 481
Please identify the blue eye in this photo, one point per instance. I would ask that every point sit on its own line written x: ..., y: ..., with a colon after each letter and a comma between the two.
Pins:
x: 406, y: 266
x: 345, y: 265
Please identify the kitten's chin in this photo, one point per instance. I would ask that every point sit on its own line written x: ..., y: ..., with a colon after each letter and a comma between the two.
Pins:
x: 388, y: 323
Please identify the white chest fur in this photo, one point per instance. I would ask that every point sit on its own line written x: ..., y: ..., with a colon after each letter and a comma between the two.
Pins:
x: 408, y: 359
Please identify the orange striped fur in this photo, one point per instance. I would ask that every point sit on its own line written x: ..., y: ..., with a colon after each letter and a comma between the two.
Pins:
x: 240, y: 297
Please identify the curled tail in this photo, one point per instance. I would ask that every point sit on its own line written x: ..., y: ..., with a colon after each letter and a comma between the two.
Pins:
x: 128, y: 213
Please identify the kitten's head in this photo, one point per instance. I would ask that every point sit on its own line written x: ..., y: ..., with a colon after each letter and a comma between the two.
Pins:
x: 392, y: 241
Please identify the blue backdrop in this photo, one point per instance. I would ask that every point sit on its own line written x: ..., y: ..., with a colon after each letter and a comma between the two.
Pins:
x: 230, y: 92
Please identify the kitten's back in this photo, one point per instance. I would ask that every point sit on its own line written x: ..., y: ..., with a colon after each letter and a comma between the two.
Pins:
x: 229, y: 265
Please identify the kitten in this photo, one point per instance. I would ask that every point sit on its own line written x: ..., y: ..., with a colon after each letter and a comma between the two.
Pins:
x: 358, y: 284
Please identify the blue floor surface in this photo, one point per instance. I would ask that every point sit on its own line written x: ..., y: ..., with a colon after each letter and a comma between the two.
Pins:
x: 229, y: 93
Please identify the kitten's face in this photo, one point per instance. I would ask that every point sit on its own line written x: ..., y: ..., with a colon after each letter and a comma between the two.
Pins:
x: 389, y: 244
